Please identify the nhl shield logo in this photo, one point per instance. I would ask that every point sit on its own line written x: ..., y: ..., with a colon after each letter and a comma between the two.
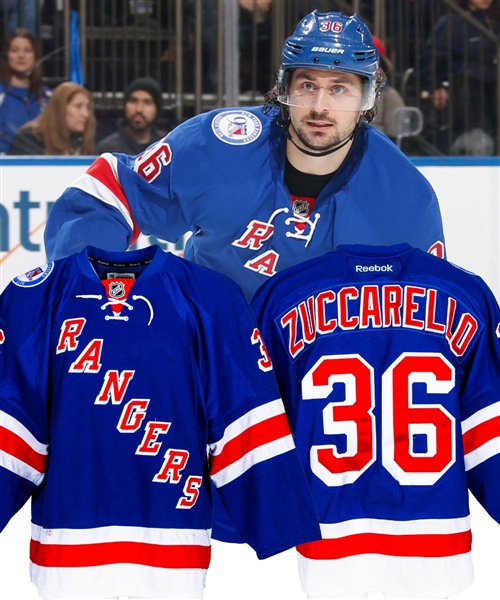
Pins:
x: 236, y: 127
x: 300, y: 207
x: 116, y: 290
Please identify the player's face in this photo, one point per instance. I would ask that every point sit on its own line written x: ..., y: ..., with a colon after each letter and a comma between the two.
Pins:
x: 21, y: 55
x: 140, y: 110
x: 321, y: 121
x: 78, y: 113
x: 480, y: 4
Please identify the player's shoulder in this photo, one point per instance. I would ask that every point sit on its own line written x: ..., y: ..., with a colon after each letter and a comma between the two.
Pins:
x: 382, y: 155
x: 382, y: 148
x: 226, y: 127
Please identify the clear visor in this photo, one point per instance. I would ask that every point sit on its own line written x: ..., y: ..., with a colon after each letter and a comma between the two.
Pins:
x: 341, y: 95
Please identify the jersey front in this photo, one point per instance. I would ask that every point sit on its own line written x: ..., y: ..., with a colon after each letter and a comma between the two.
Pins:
x: 129, y: 382
x: 220, y: 176
x: 388, y: 361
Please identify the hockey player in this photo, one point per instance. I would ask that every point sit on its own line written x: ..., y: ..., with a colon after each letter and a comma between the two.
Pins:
x: 117, y: 372
x: 264, y: 188
x: 388, y: 362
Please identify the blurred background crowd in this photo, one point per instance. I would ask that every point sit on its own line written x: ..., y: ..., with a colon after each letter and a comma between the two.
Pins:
x: 88, y: 76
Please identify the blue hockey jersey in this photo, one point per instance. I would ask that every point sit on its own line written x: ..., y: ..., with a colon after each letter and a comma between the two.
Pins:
x: 129, y: 381
x: 388, y: 361
x: 220, y: 176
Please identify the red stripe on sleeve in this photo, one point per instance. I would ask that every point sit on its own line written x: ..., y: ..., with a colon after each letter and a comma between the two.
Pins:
x: 102, y: 171
x: 108, y: 553
x: 14, y: 445
x: 256, y: 435
x: 428, y: 545
x: 480, y: 434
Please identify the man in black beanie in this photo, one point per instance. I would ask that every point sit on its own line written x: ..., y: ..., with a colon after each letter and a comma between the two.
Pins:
x: 142, y: 106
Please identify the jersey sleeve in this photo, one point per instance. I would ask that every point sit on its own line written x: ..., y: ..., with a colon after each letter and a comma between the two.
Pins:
x: 117, y: 198
x: 24, y: 368
x: 264, y: 310
x: 253, y: 460
x: 481, y: 413
x: 431, y: 230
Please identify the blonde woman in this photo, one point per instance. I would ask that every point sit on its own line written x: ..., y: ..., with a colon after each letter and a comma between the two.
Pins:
x: 66, y: 127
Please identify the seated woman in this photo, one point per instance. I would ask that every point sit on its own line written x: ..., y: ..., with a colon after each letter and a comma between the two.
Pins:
x: 22, y: 94
x: 66, y: 126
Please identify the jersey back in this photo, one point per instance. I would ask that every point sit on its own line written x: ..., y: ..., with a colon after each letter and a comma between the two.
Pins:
x: 388, y: 361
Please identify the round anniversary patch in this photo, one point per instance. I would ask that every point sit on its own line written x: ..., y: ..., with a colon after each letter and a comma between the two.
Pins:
x: 236, y: 127
x: 35, y: 276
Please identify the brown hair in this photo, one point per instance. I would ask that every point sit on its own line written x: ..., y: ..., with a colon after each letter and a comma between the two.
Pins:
x: 50, y: 126
x: 36, y: 85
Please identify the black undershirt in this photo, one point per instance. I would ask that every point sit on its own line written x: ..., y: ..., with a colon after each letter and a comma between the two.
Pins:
x: 304, y: 184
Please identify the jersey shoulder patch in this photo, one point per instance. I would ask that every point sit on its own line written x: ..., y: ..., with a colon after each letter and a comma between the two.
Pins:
x: 236, y: 127
x: 35, y: 276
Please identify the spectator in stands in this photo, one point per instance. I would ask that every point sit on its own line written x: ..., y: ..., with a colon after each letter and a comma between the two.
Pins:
x: 390, y: 99
x: 22, y: 93
x: 142, y: 107
x: 141, y: 11
x: 21, y: 13
x: 460, y: 73
x: 66, y: 127
x: 255, y: 45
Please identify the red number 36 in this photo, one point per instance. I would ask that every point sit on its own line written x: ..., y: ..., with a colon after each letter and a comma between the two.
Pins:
x: 402, y: 419
x: 335, y: 26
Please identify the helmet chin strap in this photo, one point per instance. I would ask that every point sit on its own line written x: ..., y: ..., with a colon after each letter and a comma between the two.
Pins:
x: 286, y: 126
x: 326, y: 152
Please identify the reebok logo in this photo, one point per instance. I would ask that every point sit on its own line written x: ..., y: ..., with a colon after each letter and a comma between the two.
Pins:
x: 375, y: 269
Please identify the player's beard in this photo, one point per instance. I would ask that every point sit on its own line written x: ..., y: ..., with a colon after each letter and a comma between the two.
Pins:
x: 322, y: 141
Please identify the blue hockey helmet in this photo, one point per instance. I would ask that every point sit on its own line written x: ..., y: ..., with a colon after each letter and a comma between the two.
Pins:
x: 331, y: 41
